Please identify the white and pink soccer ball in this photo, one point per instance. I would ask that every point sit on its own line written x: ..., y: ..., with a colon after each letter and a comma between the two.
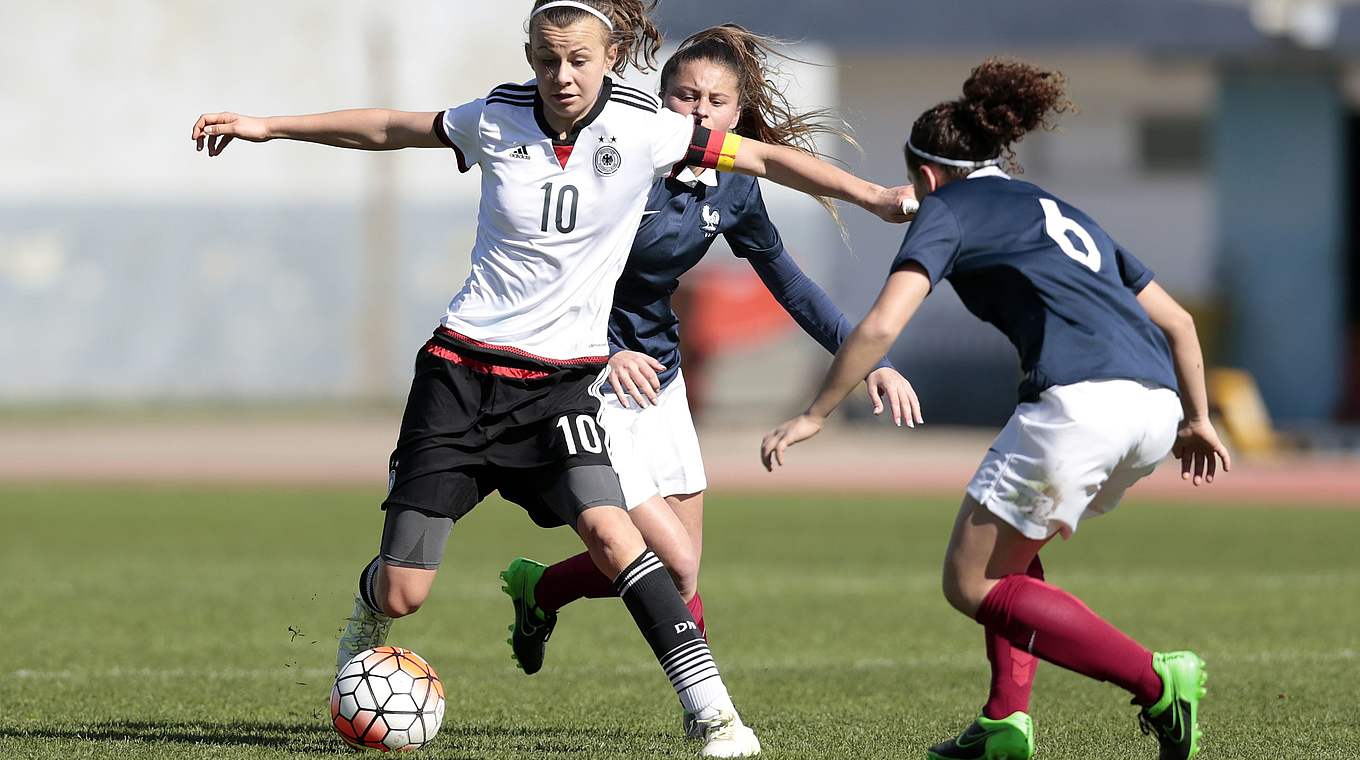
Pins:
x: 388, y: 699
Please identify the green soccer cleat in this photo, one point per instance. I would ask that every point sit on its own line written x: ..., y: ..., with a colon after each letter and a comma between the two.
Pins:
x: 1174, y: 719
x: 532, y: 626
x: 1010, y: 738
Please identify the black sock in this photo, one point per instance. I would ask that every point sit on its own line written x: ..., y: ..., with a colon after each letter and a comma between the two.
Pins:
x: 368, y: 583
x: 650, y: 594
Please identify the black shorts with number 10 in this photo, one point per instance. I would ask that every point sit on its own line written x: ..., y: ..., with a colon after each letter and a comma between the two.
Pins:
x: 483, y: 418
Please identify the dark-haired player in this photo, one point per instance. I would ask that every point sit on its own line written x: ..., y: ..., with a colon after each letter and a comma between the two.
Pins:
x: 718, y: 77
x: 1113, y: 381
x: 505, y: 394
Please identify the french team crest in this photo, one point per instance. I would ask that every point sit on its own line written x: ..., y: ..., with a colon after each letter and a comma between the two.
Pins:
x: 607, y: 160
x: 711, y: 219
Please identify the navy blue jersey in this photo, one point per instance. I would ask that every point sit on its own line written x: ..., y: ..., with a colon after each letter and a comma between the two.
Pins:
x: 679, y: 225
x: 1046, y: 275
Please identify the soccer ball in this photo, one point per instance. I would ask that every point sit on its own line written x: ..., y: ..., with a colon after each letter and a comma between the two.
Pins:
x: 388, y: 699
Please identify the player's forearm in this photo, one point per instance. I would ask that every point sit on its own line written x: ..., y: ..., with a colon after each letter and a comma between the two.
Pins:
x: 857, y: 357
x: 1188, y: 359
x: 360, y: 128
x: 806, y: 173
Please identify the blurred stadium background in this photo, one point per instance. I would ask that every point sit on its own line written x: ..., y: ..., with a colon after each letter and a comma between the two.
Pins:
x: 148, y: 291
x: 203, y: 362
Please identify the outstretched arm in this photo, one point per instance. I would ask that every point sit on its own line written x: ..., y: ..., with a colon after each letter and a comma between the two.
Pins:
x: 1197, y: 445
x: 899, y: 300
x: 362, y: 129
x: 807, y: 173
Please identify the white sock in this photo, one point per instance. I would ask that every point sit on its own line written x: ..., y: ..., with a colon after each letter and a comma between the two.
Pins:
x: 706, y: 699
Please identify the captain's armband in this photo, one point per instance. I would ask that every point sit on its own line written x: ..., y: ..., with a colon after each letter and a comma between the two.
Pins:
x: 713, y: 149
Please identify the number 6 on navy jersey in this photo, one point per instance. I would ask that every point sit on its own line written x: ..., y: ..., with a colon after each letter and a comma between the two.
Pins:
x: 587, y: 434
x: 1059, y: 227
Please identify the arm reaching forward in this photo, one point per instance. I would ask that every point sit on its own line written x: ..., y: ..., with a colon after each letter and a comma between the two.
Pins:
x: 867, y: 344
x: 802, y: 171
x: 362, y: 129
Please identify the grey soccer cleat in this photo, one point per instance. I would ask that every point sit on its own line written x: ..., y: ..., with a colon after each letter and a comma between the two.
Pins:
x: 364, y: 629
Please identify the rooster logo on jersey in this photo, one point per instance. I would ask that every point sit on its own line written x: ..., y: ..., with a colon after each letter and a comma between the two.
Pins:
x: 711, y: 220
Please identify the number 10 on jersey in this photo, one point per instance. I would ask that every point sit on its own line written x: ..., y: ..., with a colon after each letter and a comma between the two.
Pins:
x: 565, y: 221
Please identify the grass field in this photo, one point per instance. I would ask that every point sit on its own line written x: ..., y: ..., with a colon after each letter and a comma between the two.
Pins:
x: 138, y: 623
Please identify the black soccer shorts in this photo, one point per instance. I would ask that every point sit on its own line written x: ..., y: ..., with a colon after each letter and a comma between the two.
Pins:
x: 478, y: 421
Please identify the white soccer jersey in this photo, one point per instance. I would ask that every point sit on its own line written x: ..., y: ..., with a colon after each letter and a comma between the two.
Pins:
x: 557, y: 217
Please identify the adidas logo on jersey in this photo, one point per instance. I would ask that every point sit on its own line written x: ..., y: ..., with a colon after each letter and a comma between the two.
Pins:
x: 520, y: 152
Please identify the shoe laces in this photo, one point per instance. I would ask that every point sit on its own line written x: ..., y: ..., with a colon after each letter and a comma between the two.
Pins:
x: 1146, y: 725
x: 722, y: 726
x: 369, y: 624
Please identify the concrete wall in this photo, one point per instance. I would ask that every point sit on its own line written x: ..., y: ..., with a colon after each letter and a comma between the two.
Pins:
x: 964, y: 369
x: 133, y: 269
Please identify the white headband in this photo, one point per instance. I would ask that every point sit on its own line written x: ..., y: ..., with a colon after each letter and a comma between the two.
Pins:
x: 576, y: 5
x: 953, y: 161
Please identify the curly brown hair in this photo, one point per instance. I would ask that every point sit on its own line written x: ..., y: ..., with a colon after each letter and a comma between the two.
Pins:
x: 765, y: 112
x: 1003, y: 100
x: 634, y: 32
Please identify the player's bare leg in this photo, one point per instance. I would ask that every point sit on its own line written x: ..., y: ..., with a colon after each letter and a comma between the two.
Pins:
x: 668, y: 536
x: 413, y: 545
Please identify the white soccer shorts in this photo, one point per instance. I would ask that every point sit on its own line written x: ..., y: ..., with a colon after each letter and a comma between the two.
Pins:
x: 1072, y: 454
x: 654, y: 449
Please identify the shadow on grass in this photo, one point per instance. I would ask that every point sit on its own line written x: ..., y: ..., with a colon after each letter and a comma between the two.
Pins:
x: 295, y: 737
x: 313, y: 738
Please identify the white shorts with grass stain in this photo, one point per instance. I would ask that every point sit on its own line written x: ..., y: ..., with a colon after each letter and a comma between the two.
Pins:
x: 1072, y: 454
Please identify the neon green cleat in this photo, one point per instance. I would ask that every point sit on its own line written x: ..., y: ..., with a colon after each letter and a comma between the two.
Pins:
x: 1174, y: 719
x: 1010, y: 738
x: 532, y: 627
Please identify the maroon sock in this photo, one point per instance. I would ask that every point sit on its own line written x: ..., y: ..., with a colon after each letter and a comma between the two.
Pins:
x: 571, y: 579
x: 1012, y: 668
x: 696, y: 608
x: 1051, y: 623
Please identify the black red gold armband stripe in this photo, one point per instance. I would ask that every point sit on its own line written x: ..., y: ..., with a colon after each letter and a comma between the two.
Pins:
x: 713, y: 149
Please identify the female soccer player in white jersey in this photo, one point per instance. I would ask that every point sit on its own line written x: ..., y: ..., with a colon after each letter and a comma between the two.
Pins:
x: 502, y: 398
x: 1113, y: 381
x: 719, y: 78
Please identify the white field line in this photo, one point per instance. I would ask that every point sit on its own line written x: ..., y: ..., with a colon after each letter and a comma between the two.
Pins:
x: 321, y: 675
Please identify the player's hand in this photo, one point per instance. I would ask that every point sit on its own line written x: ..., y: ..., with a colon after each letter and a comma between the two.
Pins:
x: 216, y: 130
x: 1200, y: 451
x: 886, y: 382
x: 895, y: 204
x: 634, y: 373
x: 799, y: 428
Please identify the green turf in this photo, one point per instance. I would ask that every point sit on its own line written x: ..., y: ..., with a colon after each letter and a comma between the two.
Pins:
x: 202, y: 623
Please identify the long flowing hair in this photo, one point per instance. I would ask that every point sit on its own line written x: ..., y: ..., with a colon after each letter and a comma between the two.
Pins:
x: 766, y: 114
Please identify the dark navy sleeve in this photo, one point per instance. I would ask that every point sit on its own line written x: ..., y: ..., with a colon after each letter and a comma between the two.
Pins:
x: 754, y: 236
x: 933, y: 240
x: 805, y: 301
x: 1133, y: 272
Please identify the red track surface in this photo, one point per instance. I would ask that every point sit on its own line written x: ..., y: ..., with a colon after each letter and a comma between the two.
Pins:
x: 354, y: 452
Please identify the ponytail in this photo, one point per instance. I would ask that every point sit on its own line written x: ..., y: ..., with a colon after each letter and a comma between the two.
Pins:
x: 1003, y: 100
